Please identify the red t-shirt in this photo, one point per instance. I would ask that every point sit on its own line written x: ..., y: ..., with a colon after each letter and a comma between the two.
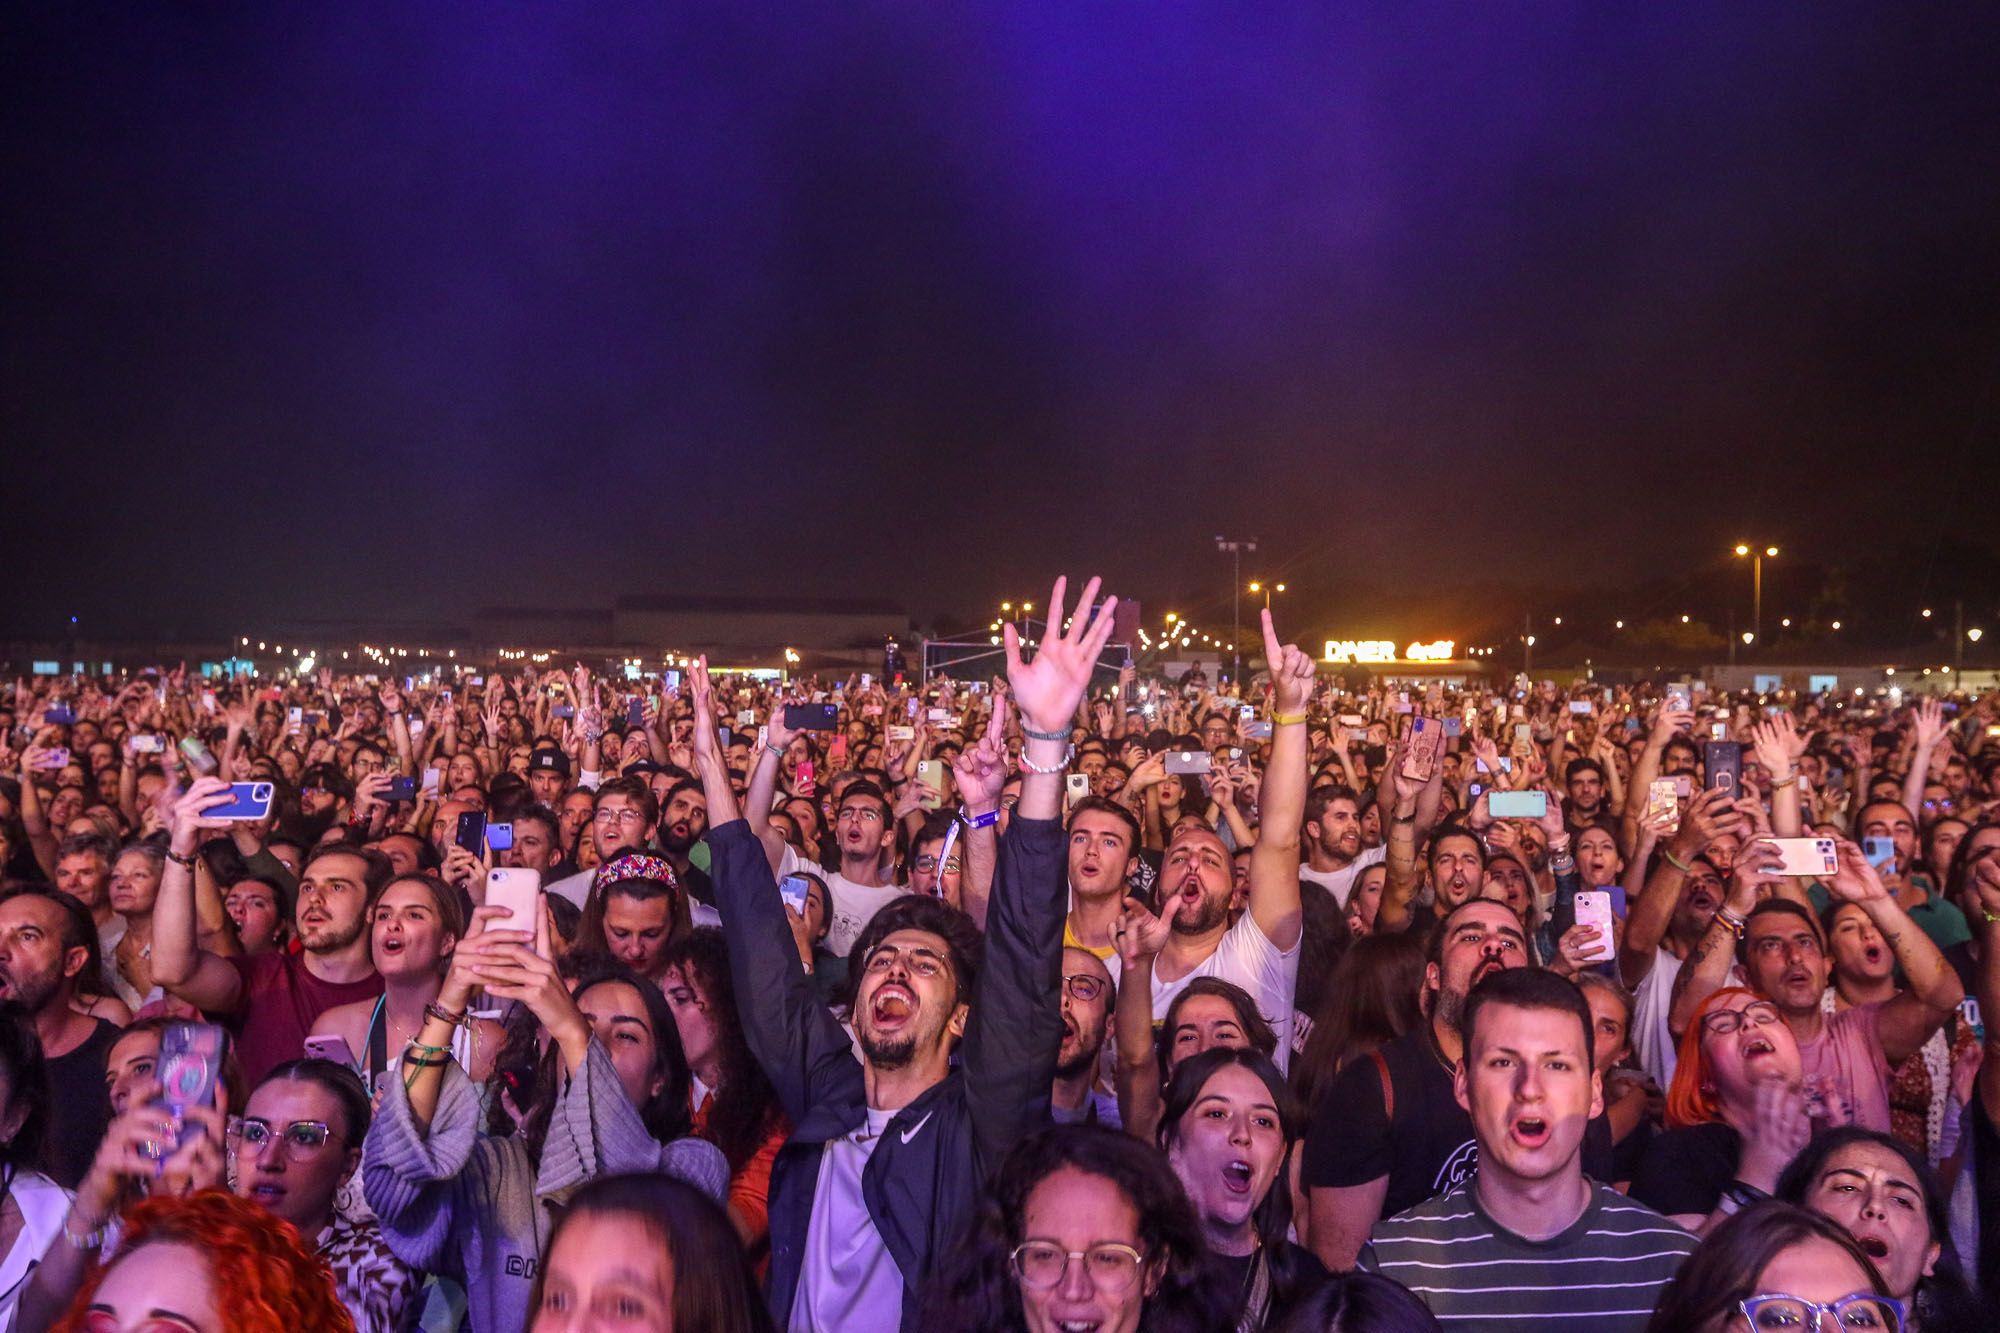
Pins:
x: 280, y: 1002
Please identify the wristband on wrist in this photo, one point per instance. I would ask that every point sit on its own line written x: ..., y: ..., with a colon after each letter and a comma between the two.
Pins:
x: 1288, y: 719
x: 444, y: 1015
x: 1730, y: 921
x: 1684, y: 867
x: 1034, y: 735
x: 1034, y: 767
x: 987, y: 820
x: 185, y: 862
x: 1779, y: 784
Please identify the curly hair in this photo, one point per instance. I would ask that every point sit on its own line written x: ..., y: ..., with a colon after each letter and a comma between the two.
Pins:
x: 264, y: 1277
x: 746, y: 1105
x: 975, y: 1290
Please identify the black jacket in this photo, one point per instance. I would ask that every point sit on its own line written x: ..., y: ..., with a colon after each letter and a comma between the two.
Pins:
x: 925, y: 1174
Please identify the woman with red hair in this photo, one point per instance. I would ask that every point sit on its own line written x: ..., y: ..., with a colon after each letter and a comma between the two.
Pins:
x: 216, y: 1263
x: 1737, y: 1113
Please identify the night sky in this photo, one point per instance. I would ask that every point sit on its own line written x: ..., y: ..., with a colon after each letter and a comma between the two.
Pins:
x: 378, y: 307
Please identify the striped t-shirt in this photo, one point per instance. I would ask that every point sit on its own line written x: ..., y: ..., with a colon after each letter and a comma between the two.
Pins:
x: 1605, y: 1273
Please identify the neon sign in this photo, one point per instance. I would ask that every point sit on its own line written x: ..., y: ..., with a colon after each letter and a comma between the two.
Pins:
x: 1384, y: 650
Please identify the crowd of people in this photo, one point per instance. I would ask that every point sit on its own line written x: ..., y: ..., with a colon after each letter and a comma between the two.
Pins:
x: 1071, y: 1001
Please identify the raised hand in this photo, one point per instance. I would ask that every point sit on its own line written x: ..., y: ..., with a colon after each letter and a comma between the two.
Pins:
x: 1138, y: 934
x: 1931, y: 724
x: 190, y: 815
x: 1291, y: 671
x: 1778, y: 745
x: 706, y: 751
x: 1047, y: 689
x: 1855, y: 881
x: 981, y: 770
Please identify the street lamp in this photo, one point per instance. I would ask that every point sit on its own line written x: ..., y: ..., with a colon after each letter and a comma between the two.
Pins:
x: 1757, y: 559
x: 1266, y: 589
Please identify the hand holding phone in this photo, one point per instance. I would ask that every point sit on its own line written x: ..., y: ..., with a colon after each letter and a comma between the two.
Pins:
x: 519, y: 890
x: 1593, y: 908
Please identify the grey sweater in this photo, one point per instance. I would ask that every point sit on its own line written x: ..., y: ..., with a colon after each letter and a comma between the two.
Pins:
x: 475, y: 1209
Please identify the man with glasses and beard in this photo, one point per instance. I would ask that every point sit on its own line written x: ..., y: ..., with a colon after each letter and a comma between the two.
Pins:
x: 1088, y: 996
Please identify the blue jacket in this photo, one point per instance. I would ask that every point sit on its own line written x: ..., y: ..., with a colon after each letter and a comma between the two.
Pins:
x: 926, y: 1172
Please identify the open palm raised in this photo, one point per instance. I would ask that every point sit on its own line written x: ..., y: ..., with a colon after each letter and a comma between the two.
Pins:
x: 1047, y: 689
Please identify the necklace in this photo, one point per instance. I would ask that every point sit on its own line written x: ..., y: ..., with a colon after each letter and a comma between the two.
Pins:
x: 1450, y: 1067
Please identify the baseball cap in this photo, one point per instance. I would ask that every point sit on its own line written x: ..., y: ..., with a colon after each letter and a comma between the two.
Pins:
x: 548, y: 759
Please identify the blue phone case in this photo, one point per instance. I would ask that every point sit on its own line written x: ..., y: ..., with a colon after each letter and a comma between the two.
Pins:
x: 248, y: 800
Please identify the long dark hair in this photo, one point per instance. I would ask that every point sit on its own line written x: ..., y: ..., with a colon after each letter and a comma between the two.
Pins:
x: 713, y: 1287
x: 1724, y: 1267
x: 746, y: 1105
x: 27, y: 1076
x: 1375, y: 996
x: 1359, y: 1302
x: 975, y: 1291
x: 1942, y: 1300
x: 536, y: 1086
x: 1272, y: 1217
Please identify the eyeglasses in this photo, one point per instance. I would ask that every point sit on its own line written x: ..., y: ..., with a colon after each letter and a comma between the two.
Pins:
x: 1861, y: 1312
x: 302, y: 1138
x: 867, y: 814
x: 1083, y: 986
x: 921, y: 962
x: 929, y: 862
x: 1725, y: 1021
x: 619, y: 816
x: 1111, y: 1267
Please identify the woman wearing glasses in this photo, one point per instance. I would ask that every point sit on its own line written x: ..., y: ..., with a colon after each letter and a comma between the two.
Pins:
x: 1086, y: 1227
x: 1776, y: 1267
x: 1736, y: 1113
x: 298, y: 1142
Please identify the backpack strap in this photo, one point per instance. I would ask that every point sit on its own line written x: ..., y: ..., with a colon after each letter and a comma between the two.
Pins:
x: 1388, y: 1085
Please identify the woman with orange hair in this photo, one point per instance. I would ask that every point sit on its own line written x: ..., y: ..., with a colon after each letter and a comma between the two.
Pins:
x: 214, y: 1262
x: 1737, y: 1113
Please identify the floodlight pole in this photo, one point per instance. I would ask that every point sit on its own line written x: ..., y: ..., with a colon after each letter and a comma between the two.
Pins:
x: 1236, y: 548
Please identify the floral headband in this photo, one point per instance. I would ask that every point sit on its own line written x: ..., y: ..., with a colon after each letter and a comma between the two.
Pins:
x: 636, y: 865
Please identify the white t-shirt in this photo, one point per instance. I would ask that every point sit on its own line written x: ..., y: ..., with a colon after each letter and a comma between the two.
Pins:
x: 1652, y: 1040
x: 848, y: 1280
x: 575, y: 887
x: 1340, y: 882
x: 854, y: 906
x: 1245, y: 957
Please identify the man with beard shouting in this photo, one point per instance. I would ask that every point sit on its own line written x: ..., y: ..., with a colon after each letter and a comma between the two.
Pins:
x: 269, y: 1001
x: 1260, y: 952
x: 889, y: 1149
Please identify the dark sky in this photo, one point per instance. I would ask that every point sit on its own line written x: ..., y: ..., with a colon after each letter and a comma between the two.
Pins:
x: 378, y: 307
